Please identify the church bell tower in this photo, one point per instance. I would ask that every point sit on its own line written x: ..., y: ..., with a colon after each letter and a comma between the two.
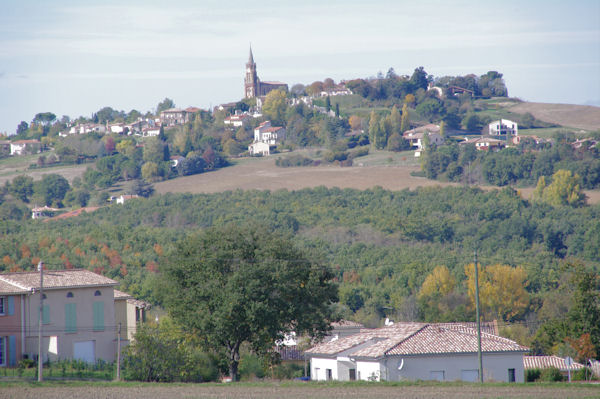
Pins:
x: 251, y: 82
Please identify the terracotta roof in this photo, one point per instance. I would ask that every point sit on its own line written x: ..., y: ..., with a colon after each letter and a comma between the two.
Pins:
x: 490, y: 327
x: 346, y: 324
x: 439, y: 339
x: 32, y: 141
x: 430, y: 127
x: 174, y: 110
x: 414, y: 339
x: 544, y: 362
x: 57, y: 279
x: 390, y: 336
x: 120, y: 295
x: 7, y: 288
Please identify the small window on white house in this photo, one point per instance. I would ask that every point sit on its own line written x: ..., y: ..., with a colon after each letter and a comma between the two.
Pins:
x: 70, y: 294
x: 97, y: 293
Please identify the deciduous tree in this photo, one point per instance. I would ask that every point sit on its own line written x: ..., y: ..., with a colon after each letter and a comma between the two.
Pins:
x: 235, y: 285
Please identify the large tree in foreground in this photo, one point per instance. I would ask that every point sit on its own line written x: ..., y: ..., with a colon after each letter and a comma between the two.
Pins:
x: 231, y: 285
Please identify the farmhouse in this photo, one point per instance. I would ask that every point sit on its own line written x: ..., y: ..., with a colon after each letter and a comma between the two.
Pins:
x: 78, y: 317
x: 265, y: 138
x: 21, y: 147
x: 503, y: 127
x: 485, y: 143
x: 417, y: 351
x: 416, y: 136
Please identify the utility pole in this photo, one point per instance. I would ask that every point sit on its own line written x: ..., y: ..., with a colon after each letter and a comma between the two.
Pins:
x: 119, y: 353
x: 40, y: 357
x: 478, y: 320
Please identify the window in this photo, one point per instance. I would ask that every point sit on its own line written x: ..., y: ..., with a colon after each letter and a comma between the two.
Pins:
x: 70, y: 317
x: 46, y: 314
x: 2, y: 306
x: 2, y: 351
x: 97, y: 293
x: 98, y: 316
x: 511, y: 375
x: 70, y: 294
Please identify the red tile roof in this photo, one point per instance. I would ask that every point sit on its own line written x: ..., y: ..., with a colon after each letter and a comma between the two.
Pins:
x: 416, y: 338
x: 544, y: 362
x: 57, y: 279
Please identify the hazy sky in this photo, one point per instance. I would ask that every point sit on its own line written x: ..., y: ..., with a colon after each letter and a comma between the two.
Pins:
x: 75, y: 57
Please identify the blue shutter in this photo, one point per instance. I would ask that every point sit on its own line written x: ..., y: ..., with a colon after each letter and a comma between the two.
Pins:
x: 70, y: 318
x: 46, y: 314
x: 11, y: 305
x: 12, y: 351
x: 98, y: 316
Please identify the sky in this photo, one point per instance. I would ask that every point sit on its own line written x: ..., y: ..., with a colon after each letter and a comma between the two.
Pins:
x: 73, y: 57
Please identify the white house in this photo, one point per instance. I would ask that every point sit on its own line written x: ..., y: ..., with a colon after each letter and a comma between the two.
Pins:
x: 417, y: 351
x: 485, y: 143
x: 237, y: 120
x: 265, y: 137
x: 503, y: 127
x: 20, y: 147
x: 416, y: 136
x: 126, y: 197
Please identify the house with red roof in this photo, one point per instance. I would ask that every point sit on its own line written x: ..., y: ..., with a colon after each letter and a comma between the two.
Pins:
x: 417, y: 351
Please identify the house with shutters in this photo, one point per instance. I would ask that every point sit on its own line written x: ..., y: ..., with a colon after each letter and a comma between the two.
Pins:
x: 79, y: 320
x: 417, y: 351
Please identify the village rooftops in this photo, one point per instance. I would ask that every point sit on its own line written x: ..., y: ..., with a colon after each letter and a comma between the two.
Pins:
x: 414, y: 339
x: 56, y: 279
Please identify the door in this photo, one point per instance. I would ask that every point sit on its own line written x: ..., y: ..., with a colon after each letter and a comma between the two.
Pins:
x: 85, y: 351
x: 352, y: 374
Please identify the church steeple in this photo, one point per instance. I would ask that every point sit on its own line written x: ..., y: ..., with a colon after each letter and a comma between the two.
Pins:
x: 251, y: 81
x: 251, y: 58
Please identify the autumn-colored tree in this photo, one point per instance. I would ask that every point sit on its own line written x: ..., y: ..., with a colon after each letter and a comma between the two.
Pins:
x: 565, y: 189
x: 502, y: 291
x: 355, y: 122
x: 158, y: 249
x: 405, y: 120
x: 409, y: 99
x: 374, y: 129
x: 25, y: 251
x: 439, y: 281
x: 275, y: 106
x: 395, y: 119
x: 584, y: 347
x: 150, y: 171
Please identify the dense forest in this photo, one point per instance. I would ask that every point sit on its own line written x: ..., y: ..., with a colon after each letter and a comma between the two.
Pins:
x: 386, y: 249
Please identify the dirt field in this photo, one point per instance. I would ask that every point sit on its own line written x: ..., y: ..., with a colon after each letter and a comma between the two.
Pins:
x: 297, y: 391
x: 577, y: 116
x: 262, y: 174
x: 68, y: 172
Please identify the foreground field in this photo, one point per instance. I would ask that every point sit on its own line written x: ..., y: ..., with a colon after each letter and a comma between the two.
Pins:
x: 289, y: 390
x: 262, y: 174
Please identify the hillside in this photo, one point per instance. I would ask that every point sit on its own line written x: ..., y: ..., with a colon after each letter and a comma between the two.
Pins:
x: 569, y: 115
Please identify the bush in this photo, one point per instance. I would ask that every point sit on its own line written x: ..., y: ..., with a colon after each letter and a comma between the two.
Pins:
x: 582, y: 374
x: 532, y: 375
x: 551, y: 374
x: 294, y: 160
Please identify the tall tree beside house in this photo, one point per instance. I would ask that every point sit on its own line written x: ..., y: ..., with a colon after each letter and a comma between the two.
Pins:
x: 405, y: 120
x: 374, y: 129
x: 234, y: 285
x: 395, y: 119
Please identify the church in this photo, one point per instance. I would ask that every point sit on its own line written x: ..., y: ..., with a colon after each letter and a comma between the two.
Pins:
x: 253, y: 87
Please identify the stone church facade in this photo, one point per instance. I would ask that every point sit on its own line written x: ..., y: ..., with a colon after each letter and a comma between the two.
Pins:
x: 253, y: 86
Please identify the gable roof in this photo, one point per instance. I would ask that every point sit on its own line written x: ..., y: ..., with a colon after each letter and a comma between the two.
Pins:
x: 120, y: 295
x: 416, y: 339
x: 56, y: 279
x: 544, y: 362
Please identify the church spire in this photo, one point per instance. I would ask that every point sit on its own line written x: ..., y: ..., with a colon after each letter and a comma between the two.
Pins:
x: 251, y: 58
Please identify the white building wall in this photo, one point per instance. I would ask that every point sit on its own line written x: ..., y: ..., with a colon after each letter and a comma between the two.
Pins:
x: 368, y: 371
x: 495, y: 367
x: 319, y: 367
